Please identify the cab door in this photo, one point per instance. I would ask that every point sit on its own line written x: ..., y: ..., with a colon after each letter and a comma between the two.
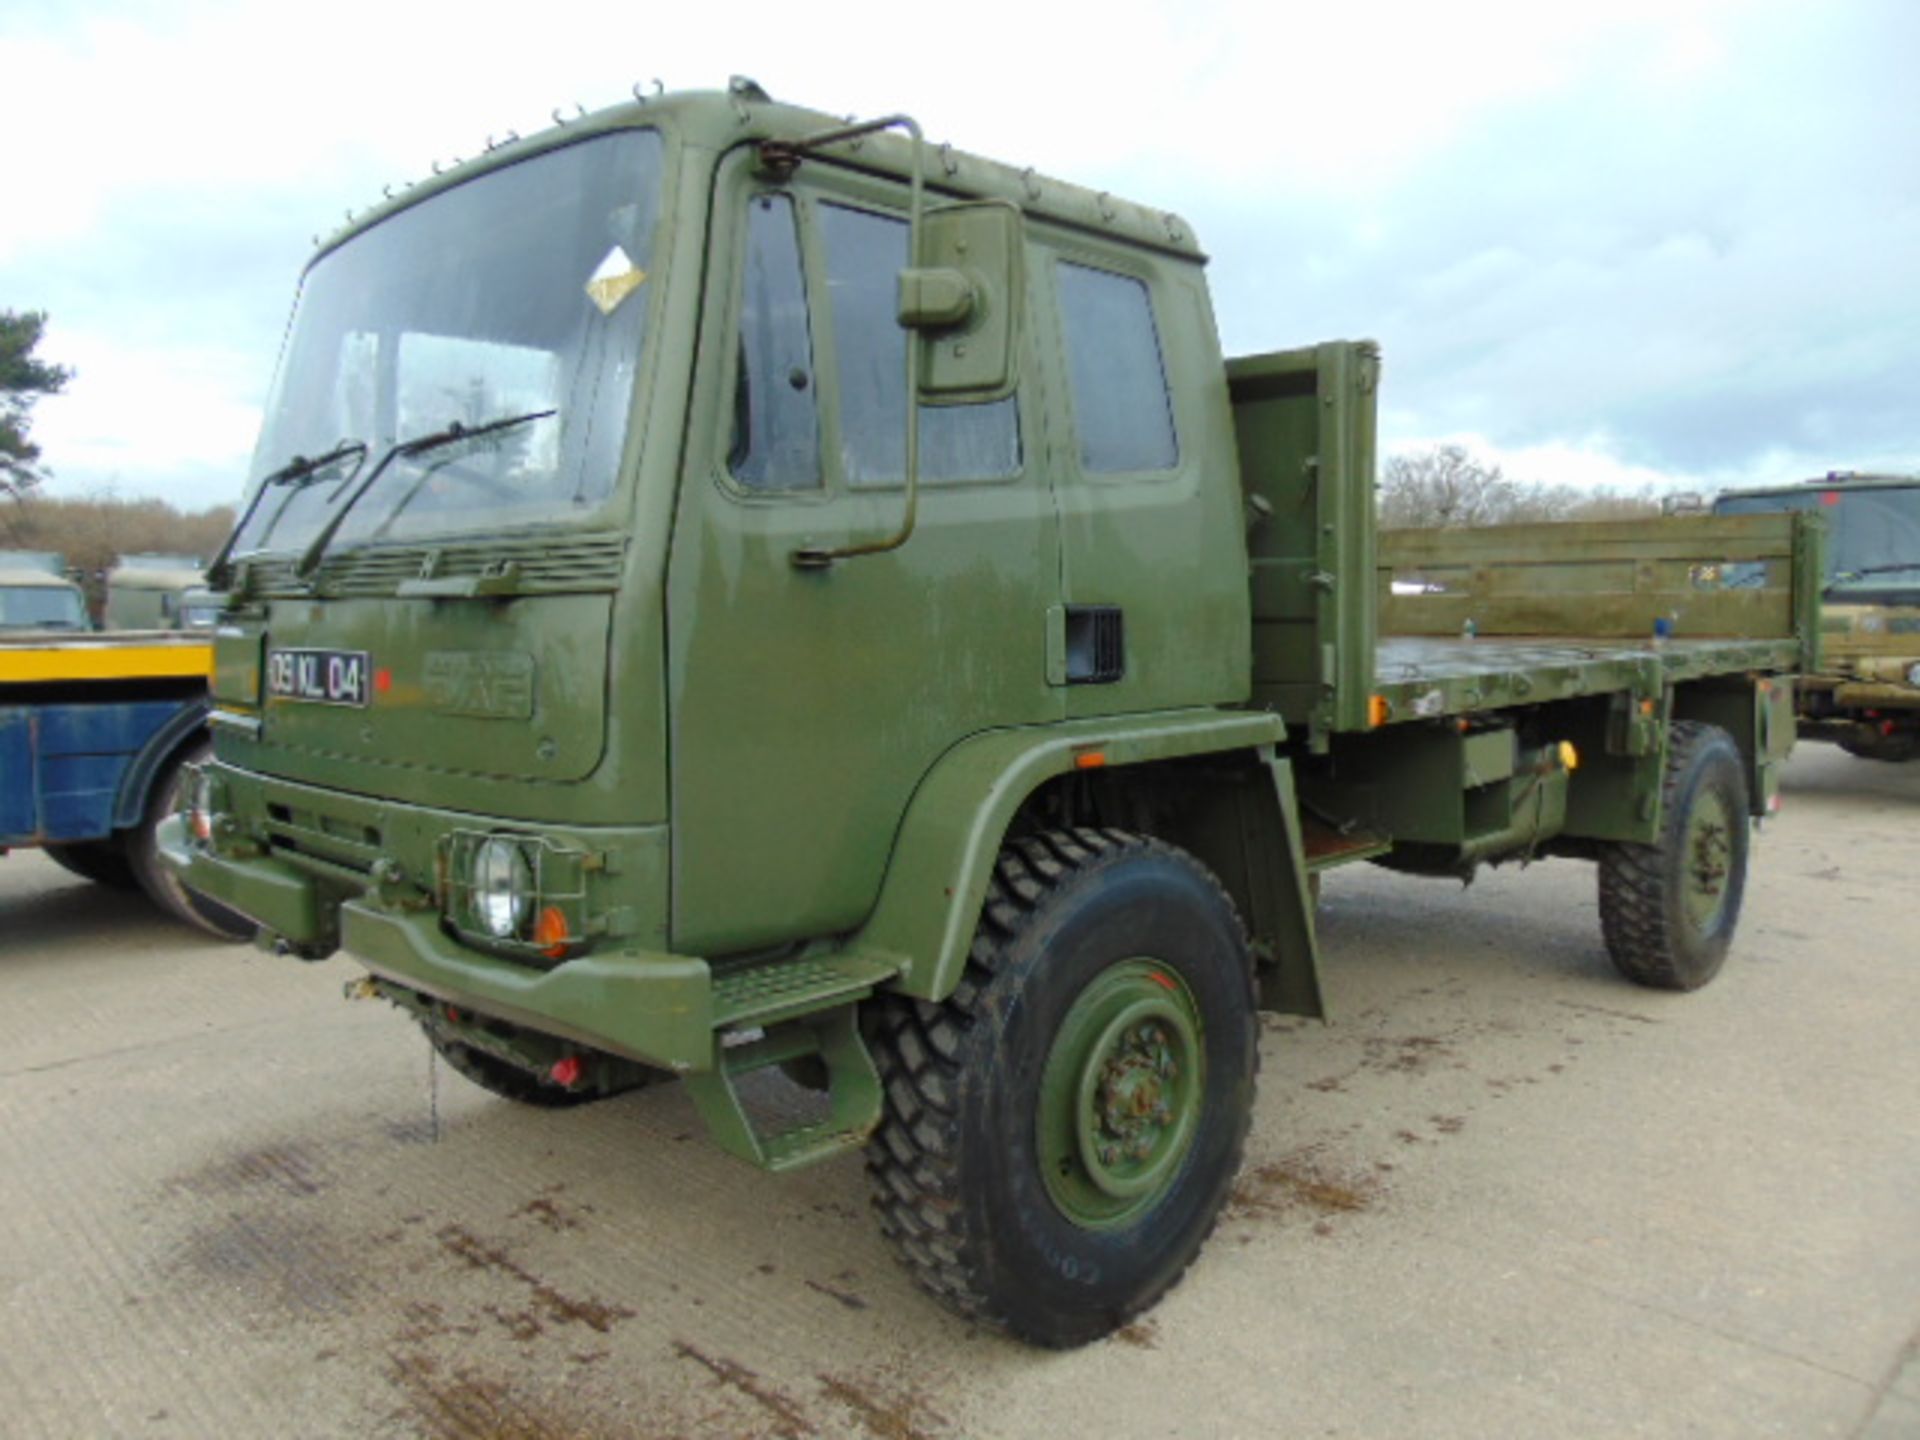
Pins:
x: 1154, y: 549
x: 808, y: 703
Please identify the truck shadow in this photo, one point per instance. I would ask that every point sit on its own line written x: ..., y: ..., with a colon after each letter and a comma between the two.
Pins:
x: 1825, y: 772
x: 82, y: 916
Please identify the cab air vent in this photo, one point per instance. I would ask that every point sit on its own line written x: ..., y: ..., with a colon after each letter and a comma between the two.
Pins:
x: 1096, y: 645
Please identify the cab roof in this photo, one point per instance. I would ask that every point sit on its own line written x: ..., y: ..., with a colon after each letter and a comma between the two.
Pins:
x: 46, y: 569
x: 159, y: 570
x: 744, y: 114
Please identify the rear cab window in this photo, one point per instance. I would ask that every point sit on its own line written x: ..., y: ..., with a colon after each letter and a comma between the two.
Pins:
x: 1123, y: 411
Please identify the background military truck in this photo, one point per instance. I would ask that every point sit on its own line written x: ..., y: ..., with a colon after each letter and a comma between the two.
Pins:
x: 96, y: 733
x: 157, y: 592
x: 619, y: 667
x: 1866, y: 697
x: 35, y: 593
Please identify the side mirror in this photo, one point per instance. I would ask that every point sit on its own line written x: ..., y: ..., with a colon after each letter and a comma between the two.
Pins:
x: 963, y: 300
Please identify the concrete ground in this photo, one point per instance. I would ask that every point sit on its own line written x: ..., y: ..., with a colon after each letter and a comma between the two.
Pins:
x: 1503, y: 1194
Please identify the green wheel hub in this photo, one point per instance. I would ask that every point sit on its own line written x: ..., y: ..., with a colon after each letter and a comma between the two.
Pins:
x: 1707, y: 860
x: 1121, y: 1093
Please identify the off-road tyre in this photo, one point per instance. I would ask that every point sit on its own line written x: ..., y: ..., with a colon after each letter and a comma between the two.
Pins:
x: 1104, y: 962
x: 102, y: 861
x: 141, y: 845
x: 511, y: 1082
x: 1668, y: 910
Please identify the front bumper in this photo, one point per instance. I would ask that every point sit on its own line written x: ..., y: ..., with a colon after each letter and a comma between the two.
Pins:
x: 647, y: 1005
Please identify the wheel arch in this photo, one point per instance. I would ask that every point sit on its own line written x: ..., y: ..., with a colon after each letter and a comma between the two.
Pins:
x: 1235, y: 815
x: 143, y: 772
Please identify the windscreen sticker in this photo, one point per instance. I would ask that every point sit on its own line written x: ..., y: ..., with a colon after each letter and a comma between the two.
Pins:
x: 616, y: 279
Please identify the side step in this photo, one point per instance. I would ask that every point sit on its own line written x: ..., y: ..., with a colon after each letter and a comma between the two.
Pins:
x: 787, y: 1010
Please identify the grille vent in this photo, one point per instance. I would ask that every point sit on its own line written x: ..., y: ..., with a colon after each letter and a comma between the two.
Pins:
x: 546, y: 566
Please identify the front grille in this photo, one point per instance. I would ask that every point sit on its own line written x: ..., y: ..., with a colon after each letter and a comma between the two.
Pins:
x: 547, y: 567
x: 296, y: 831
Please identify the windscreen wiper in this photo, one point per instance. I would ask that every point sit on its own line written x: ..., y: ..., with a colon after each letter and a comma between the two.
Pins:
x: 296, y: 471
x: 317, y: 547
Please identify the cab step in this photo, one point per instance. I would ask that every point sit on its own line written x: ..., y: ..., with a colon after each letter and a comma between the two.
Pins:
x: 784, y: 1013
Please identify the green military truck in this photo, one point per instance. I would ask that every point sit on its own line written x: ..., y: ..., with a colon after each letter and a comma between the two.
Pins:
x: 622, y: 670
x: 37, y: 595
x: 1866, y: 696
x: 157, y: 592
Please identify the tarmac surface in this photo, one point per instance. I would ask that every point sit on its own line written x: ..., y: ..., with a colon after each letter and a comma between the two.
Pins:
x: 1503, y: 1193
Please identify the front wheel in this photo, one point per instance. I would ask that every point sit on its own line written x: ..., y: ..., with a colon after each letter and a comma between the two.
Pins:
x: 157, y: 878
x: 1668, y: 910
x: 1059, y: 1136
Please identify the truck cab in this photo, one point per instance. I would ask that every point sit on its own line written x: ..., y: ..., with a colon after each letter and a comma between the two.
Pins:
x: 581, y: 416
x: 36, y: 595
x: 1866, y: 695
x: 155, y: 592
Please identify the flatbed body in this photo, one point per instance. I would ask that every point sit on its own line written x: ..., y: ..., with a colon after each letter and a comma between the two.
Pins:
x: 1425, y: 676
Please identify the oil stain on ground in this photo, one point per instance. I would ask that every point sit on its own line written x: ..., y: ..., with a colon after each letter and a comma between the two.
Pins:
x: 1300, y: 1184
x: 881, y: 1407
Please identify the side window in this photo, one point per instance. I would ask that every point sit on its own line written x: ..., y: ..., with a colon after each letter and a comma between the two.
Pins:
x: 865, y: 255
x: 776, y: 425
x: 1120, y: 402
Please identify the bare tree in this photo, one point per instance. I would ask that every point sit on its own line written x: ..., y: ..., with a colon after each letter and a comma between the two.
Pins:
x: 1441, y: 487
x: 91, y: 532
x: 1448, y: 487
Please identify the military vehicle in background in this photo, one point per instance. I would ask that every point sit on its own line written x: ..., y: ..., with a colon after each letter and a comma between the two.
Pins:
x: 36, y: 593
x: 727, y: 590
x: 1866, y: 695
x: 158, y: 592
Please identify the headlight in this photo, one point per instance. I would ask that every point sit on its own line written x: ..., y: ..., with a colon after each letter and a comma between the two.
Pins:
x: 502, y: 886
x: 1913, y: 674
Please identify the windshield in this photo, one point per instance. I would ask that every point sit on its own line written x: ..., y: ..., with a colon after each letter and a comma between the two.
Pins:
x: 521, y: 291
x: 1873, y: 535
x: 41, y: 607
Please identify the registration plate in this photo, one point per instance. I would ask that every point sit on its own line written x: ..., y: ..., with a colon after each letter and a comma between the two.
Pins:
x: 328, y: 677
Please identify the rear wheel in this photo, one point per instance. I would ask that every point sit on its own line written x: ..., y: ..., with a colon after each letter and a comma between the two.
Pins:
x: 1059, y: 1136
x: 157, y: 878
x: 1668, y: 910
x: 102, y: 861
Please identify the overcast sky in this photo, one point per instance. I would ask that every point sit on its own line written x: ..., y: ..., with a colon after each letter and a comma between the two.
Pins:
x: 1600, y: 242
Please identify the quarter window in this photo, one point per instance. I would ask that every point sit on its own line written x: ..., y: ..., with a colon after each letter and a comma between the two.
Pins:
x: 776, y: 424
x: 1120, y: 402
x: 865, y: 255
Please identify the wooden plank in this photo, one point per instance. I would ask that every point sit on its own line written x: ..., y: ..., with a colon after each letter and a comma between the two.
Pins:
x: 1630, y: 614
x: 1679, y: 537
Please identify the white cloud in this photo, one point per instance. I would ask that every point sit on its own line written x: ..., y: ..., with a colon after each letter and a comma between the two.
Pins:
x: 174, y: 422
x: 1675, y: 223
